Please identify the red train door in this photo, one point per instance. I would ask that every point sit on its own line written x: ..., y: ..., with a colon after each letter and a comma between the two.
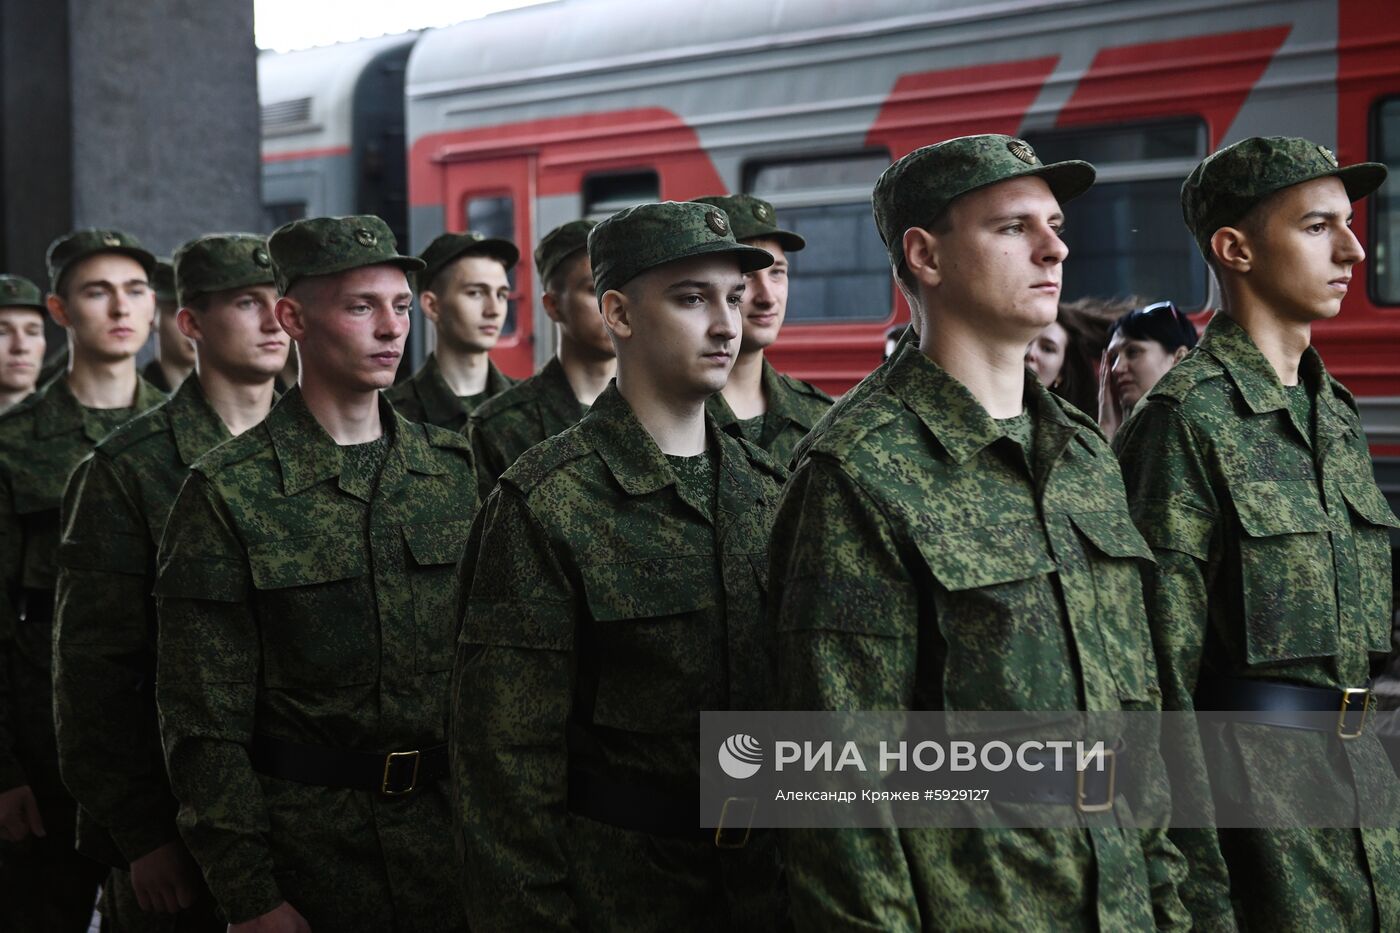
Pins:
x: 493, y: 197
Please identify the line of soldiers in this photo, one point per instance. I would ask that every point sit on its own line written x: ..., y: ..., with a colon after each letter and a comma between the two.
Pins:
x: 310, y: 662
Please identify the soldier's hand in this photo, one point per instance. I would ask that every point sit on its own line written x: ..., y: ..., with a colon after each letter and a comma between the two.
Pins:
x: 281, y: 919
x: 165, y: 879
x: 19, y: 815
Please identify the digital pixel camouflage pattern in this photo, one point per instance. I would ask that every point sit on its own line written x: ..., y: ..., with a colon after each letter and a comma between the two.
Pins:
x: 1227, y: 184
x: 447, y: 248
x: 872, y: 382
x: 1273, y: 562
x: 753, y: 218
x: 109, y: 748
x: 300, y: 599
x: 921, y: 559
x: 591, y: 555
x: 327, y: 245
x: 794, y: 407
x: 559, y: 244
x: 219, y: 262
x: 18, y: 292
x: 506, y: 426
x: 426, y: 397
x: 71, y: 248
x: 41, y: 441
x: 649, y: 235
x: 917, y: 188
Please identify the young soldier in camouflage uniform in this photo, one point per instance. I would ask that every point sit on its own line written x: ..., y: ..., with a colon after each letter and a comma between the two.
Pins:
x: 557, y: 396
x: 21, y: 339
x: 305, y: 595
x: 773, y: 410
x: 174, y: 357
x: 105, y: 633
x: 464, y: 290
x: 613, y: 590
x: 1248, y: 472
x: 913, y: 568
x: 102, y: 297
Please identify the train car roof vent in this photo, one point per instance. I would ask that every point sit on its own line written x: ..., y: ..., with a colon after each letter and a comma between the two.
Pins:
x: 286, y: 116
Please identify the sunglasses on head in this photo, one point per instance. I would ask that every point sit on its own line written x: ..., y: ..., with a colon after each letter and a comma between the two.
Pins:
x: 1160, y: 309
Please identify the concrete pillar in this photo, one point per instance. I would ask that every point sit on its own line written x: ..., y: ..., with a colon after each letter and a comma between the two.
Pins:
x: 138, y: 114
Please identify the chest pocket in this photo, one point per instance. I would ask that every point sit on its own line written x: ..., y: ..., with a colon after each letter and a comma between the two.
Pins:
x: 999, y: 618
x: 1119, y: 613
x: 652, y: 643
x: 1372, y: 520
x: 1286, y: 568
x: 316, y: 611
x: 434, y: 548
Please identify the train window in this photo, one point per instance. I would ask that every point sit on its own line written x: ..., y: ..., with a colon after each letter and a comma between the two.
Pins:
x: 844, y: 273
x: 1125, y: 235
x: 495, y: 217
x: 282, y: 212
x: 1385, y: 234
x: 605, y: 195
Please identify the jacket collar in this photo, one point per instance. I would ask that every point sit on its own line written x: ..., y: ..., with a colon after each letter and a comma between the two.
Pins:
x: 556, y: 397
x: 197, y: 427
x: 440, y: 404
x: 63, y: 413
x: 952, y: 414
x: 308, y: 455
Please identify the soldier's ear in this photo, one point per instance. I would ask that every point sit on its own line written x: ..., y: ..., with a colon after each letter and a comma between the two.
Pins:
x: 428, y: 301
x: 57, y: 310
x: 1232, y: 249
x: 617, y: 314
x: 921, y: 256
x: 188, y: 323
x: 551, y: 305
x: 292, y: 316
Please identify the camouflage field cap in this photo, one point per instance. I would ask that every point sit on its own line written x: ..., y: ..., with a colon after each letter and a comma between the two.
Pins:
x: 915, y: 190
x: 449, y: 247
x: 1223, y: 188
x: 327, y: 245
x: 753, y: 218
x: 649, y: 235
x: 559, y: 244
x: 18, y: 292
x: 163, y: 280
x: 80, y: 244
x: 221, y: 261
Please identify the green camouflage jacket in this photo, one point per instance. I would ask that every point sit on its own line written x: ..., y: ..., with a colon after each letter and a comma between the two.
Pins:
x: 921, y: 560
x: 1272, y: 562
x: 104, y: 665
x: 299, y: 602
x: 506, y: 426
x: 425, y: 396
x: 589, y: 554
x: 794, y: 407
x: 41, y: 441
x: 872, y: 381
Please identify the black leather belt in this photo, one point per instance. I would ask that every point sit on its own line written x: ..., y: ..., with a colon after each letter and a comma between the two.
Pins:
x: 644, y: 809
x: 1287, y: 706
x: 392, y: 774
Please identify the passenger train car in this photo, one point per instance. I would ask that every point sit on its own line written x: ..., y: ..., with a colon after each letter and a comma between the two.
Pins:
x: 525, y: 119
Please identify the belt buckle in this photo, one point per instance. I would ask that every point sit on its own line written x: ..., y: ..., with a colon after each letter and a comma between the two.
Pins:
x: 1079, y: 802
x: 1347, y: 695
x: 384, y: 789
x: 720, y: 842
